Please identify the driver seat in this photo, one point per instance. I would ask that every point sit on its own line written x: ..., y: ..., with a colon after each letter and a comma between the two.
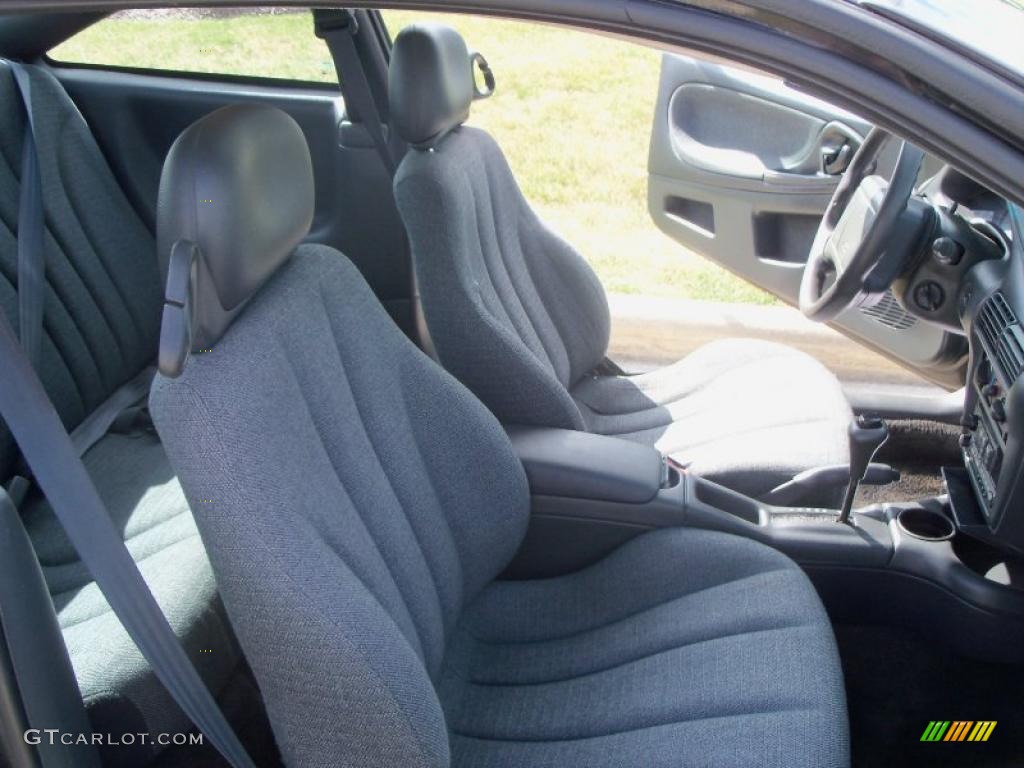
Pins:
x: 517, y: 314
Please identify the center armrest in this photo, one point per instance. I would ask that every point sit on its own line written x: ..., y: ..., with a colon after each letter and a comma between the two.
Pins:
x: 579, y: 465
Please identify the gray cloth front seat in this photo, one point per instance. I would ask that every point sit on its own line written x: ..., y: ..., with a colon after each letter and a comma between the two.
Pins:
x: 358, y: 504
x: 521, y: 319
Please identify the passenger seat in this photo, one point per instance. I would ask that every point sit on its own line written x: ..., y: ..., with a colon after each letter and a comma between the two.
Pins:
x: 102, y: 318
x: 361, y: 503
x: 520, y: 317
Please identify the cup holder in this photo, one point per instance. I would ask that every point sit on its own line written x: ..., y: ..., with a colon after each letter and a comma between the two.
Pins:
x: 926, y: 524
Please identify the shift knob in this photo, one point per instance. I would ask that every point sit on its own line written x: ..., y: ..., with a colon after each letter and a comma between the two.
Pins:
x: 867, y: 434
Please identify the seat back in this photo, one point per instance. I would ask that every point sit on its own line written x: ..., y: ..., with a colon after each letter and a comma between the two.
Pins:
x: 353, y: 496
x: 513, y: 311
x: 102, y: 302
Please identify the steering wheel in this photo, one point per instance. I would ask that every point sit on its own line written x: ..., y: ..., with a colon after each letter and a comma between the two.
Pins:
x: 858, y: 250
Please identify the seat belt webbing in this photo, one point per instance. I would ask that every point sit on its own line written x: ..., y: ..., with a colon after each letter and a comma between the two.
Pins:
x: 32, y: 287
x: 98, y: 423
x: 62, y: 476
x: 58, y: 469
x: 338, y: 28
x: 31, y: 227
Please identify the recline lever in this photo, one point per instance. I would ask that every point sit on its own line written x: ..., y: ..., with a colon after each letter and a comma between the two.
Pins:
x: 867, y: 434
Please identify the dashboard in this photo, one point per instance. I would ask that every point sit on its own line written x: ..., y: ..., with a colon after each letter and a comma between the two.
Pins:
x: 991, y: 309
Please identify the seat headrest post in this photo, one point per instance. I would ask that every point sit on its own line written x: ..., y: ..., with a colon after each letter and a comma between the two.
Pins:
x: 430, y: 83
x: 236, y: 197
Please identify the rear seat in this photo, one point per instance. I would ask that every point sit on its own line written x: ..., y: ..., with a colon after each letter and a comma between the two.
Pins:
x: 102, y: 321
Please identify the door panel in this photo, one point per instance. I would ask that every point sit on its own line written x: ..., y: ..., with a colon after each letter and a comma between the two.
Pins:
x: 136, y: 117
x: 710, y: 131
x: 741, y: 168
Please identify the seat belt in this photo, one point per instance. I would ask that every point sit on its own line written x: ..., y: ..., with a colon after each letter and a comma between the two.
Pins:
x: 31, y: 228
x: 60, y: 473
x: 32, y: 289
x: 338, y: 28
x: 55, y: 462
x: 120, y: 413
x: 119, y: 407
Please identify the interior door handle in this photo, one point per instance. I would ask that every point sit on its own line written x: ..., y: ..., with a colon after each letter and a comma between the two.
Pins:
x: 835, y: 161
x: 823, y: 158
x: 826, y: 153
x: 837, y: 144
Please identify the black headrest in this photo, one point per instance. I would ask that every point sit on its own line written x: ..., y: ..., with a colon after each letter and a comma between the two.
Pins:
x: 431, y: 84
x: 236, y: 197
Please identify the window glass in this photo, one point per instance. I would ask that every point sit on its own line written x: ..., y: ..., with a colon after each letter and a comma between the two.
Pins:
x: 269, y: 42
x: 572, y: 112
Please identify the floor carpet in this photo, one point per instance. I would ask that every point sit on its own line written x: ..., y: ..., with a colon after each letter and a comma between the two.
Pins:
x: 898, y: 681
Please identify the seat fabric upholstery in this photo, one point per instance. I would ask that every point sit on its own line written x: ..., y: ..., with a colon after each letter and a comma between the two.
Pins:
x: 682, y: 648
x: 120, y: 690
x: 513, y: 311
x: 101, y: 321
x: 520, y: 318
x: 358, y: 504
x: 701, y: 411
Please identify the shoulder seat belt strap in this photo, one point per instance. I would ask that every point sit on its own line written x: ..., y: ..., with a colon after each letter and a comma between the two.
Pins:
x: 338, y: 28
x: 53, y: 458
x: 31, y: 226
x: 32, y: 286
x: 62, y: 476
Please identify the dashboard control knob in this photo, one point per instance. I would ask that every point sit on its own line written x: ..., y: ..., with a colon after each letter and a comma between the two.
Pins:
x: 948, y: 251
x: 929, y: 295
x: 965, y: 440
x: 991, y: 390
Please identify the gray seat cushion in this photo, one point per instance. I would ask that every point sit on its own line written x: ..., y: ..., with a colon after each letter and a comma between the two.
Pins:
x: 745, y: 413
x: 121, y: 693
x: 521, y: 319
x: 681, y: 648
x: 361, y: 504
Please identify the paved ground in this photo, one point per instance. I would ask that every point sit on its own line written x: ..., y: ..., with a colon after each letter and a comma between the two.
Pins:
x: 650, y: 332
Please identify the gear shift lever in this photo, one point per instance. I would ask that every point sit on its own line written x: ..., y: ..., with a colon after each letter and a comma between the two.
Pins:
x: 867, y: 433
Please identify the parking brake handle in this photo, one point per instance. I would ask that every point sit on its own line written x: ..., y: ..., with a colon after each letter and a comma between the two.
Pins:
x: 867, y: 434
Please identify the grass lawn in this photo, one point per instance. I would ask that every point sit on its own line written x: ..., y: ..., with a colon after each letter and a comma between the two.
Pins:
x: 572, y: 111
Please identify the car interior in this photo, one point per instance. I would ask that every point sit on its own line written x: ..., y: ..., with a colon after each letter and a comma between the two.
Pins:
x: 350, y: 406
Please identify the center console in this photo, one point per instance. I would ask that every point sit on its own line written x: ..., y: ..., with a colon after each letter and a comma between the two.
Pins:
x: 893, y: 563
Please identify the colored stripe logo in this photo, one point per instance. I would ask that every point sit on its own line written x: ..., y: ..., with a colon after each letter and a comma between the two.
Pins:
x: 958, y: 730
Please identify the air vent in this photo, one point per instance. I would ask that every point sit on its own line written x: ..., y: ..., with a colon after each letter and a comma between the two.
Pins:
x: 889, y: 313
x: 1002, y: 335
